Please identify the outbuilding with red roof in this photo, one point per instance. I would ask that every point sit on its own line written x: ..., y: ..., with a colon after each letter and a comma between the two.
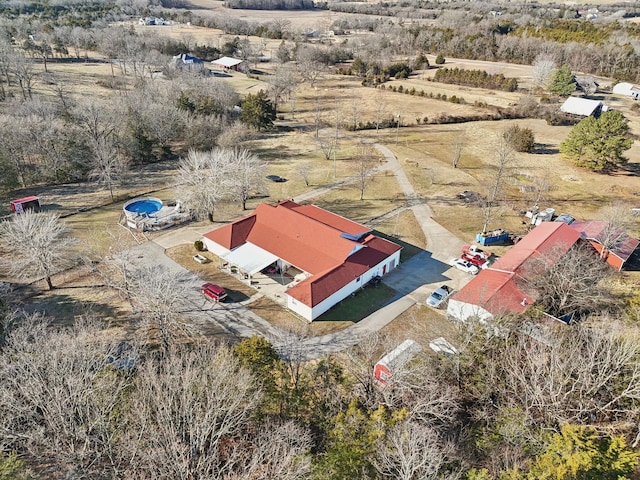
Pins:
x: 612, y: 243
x: 337, y: 256
x: 496, y: 291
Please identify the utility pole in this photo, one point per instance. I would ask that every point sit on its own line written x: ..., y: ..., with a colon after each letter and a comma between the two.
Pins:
x: 397, y: 129
x: 335, y: 144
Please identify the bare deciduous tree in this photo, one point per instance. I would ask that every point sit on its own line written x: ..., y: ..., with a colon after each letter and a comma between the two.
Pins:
x: 365, y: 166
x: 304, y: 169
x: 410, y: 451
x: 39, y: 245
x: 360, y: 360
x: 108, y: 166
x: 22, y: 69
x: 583, y: 375
x: 543, y: 67
x: 355, y: 113
x: 380, y: 108
x: 280, y: 451
x: 456, y: 149
x: 327, y: 145
x: 429, y: 399
x: 249, y: 174
x: 157, y: 295
x: 282, y: 84
x: 505, y: 157
x: 310, y: 66
x: 59, y: 398
x: 187, y: 415
x: 565, y: 282
x: 619, y: 219
x: 203, y: 180
x: 233, y: 135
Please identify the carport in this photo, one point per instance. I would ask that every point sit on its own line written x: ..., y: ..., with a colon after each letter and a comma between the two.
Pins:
x: 248, y: 259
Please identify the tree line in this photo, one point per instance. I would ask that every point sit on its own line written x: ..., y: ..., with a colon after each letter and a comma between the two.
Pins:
x: 475, y: 78
x: 77, y: 403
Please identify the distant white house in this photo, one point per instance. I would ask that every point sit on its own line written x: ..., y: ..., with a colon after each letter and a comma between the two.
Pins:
x: 230, y: 63
x: 627, y: 89
x: 583, y: 107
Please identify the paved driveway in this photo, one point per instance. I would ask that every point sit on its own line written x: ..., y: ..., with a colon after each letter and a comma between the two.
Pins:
x: 225, y: 319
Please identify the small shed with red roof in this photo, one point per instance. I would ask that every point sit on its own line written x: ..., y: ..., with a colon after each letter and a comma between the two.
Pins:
x: 27, y: 203
x: 496, y: 290
x: 337, y: 256
x: 613, y: 244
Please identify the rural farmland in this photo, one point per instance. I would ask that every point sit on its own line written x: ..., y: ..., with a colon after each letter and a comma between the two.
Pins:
x: 286, y: 239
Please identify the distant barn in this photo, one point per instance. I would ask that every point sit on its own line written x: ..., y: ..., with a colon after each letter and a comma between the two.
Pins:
x: 230, y: 63
x: 583, y: 107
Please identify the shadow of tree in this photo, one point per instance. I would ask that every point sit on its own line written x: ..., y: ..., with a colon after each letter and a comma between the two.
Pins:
x: 62, y: 309
x: 545, y: 149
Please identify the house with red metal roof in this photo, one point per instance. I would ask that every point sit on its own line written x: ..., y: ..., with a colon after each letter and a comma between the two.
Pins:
x: 335, y: 256
x: 497, y: 290
x: 613, y: 244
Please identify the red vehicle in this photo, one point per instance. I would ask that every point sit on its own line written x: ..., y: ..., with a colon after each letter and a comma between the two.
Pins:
x: 214, y: 292
x: 475, y: 251
x: 475, y: 260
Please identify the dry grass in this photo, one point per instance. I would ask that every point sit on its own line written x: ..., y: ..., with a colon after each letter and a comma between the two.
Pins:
x: 209, y: 272
x: 422, y: 324
x: 381, y: 196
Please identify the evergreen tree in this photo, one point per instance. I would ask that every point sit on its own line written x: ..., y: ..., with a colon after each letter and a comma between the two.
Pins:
x: 581, y: 453
x: 520, y: 139
x: 562, y: 81
x: 598, y: 143
x: 258, y: 111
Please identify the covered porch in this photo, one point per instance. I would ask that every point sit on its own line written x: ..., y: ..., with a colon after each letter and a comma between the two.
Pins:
x: 262, y: 270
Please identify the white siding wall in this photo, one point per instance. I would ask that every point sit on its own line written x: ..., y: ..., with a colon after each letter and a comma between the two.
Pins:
x: 213, y: 247
x: 312, y: 313
x: 463, y: 311
x: 301, y: 309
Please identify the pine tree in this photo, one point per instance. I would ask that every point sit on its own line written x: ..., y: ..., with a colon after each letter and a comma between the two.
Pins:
x: 598, y: 143
x: 581, y: 453
x: 562, y: 81
x: 258, y: 111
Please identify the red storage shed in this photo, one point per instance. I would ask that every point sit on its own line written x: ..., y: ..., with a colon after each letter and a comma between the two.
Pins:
x: 26, y: 203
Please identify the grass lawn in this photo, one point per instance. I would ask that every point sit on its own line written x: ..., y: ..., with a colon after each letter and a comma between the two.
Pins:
x: 355, y: 308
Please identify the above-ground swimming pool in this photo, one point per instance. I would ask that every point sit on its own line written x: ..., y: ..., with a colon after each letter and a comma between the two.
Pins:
x: 142, y: 206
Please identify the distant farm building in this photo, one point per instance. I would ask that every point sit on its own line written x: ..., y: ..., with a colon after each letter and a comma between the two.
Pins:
x: 583, y: 107
x: 229, y: 63
x: 627, y: 89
